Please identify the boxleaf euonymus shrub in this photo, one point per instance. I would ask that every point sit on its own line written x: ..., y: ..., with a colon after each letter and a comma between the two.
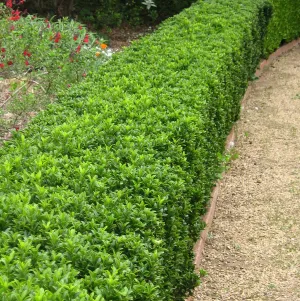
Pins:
x: 101, y: 195
x: 284, y: 25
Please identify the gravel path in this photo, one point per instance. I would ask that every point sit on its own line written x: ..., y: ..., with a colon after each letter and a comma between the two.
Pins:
x: 253, y: 249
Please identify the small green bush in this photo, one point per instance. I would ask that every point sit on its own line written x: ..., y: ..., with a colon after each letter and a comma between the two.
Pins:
x: 101, y: 197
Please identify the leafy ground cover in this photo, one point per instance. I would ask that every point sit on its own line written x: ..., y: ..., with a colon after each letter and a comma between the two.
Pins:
x: 38, y: 59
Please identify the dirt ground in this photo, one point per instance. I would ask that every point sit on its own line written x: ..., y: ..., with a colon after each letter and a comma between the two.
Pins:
x: 122, y: 36
x: 253, y: 248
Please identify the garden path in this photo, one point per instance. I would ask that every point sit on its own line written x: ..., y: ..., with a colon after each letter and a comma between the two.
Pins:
x: 253, y: 248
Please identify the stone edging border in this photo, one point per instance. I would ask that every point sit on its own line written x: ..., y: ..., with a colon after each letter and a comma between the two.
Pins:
x: 199, y: 246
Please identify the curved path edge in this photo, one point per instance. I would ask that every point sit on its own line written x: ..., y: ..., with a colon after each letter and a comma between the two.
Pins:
x: 208, y: 218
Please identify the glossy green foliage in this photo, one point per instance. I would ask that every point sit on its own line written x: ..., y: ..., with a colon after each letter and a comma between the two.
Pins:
x: 285, y: 24
x: 101, y: 197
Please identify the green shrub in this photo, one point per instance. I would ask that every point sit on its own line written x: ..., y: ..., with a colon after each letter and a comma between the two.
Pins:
x: 284, y: 26
x: 101, y: 197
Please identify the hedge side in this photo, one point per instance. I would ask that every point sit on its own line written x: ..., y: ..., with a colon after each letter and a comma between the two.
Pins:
x: 285, y: 24
x: 100, y: 197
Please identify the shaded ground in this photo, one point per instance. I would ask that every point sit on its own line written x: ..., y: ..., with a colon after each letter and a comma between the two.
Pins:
x: 253, y: 249
x: 120, y: 37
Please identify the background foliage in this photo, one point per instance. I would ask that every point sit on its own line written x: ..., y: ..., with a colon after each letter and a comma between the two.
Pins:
x: 101, y: 13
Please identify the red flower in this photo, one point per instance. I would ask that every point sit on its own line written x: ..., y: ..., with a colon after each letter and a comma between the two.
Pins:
x: 27, y: 53
x: 80, y: 27
x: 48, y: 25
x: 75, y: 37
x: 9, y: 3
x: 78, y: 48
x: 57, y: 37
x: 3, y: 49
x: 15, y: 15
x: 12, y: 28
x: 26, y: 63
x: 1, y: 65
x: 9, y: 63
x: 21, y: 2
x: 86, y: 39
x: 14, y: 18
x: 17, y: 128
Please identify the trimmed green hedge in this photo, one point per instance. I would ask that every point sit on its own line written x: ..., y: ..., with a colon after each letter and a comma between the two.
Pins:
x: 284, y: 26
x: 100, y: 197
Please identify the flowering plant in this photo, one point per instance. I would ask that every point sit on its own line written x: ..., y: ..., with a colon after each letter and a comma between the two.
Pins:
x: 39, y: 58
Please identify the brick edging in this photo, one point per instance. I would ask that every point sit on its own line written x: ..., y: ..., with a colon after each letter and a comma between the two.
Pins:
x: 283, y: 49
x: 208, y: 218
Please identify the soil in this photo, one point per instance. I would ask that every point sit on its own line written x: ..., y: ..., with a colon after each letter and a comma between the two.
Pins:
x: 253, y: 248
x: 123, y: 36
